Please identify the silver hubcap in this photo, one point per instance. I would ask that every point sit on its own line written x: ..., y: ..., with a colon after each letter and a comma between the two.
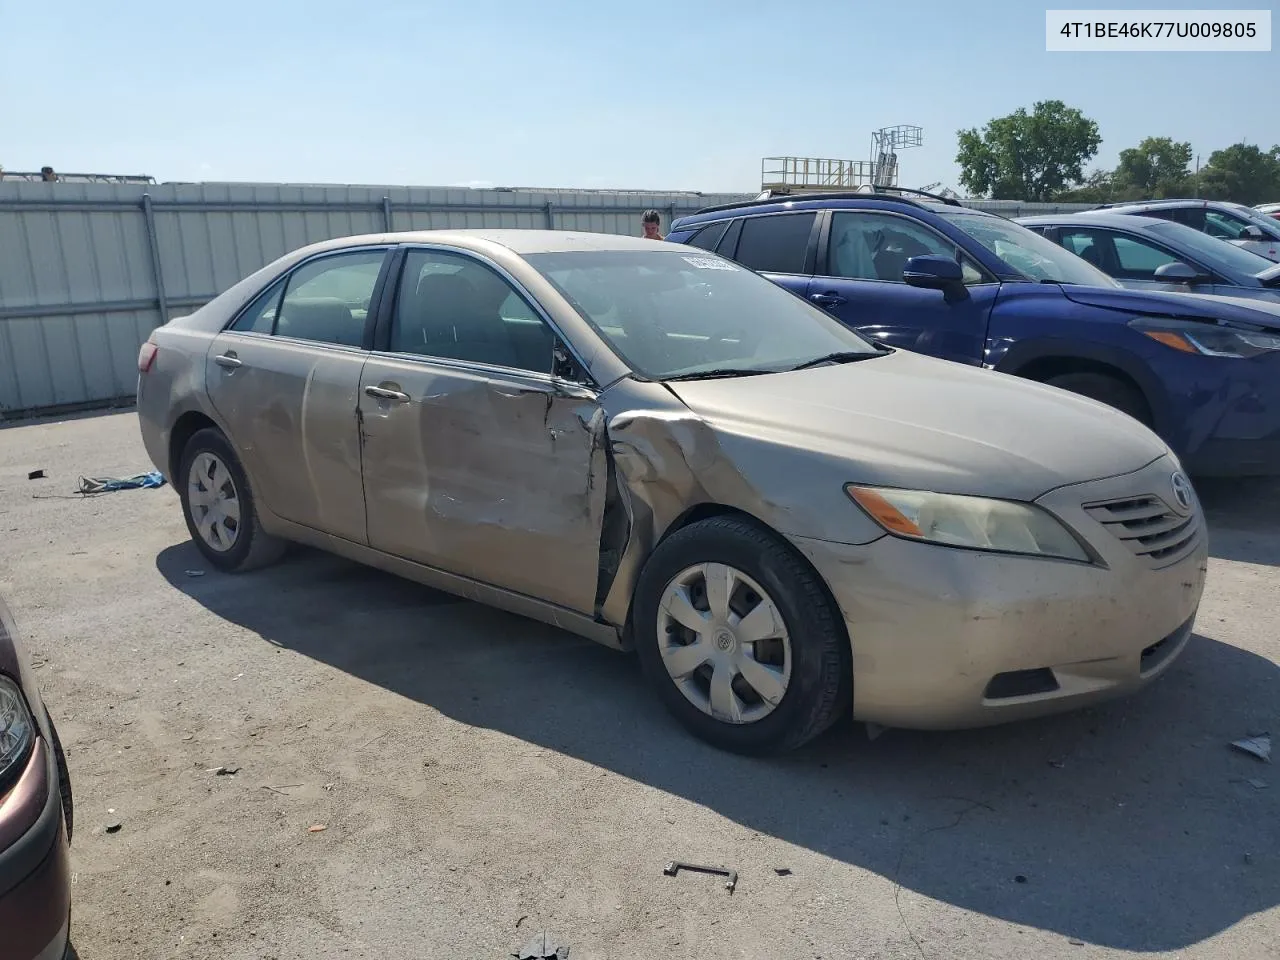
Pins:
x: 215, y: 505
x: 724, y: 643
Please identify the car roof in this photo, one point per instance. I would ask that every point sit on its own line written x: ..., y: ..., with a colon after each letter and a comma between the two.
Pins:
x: 1088, y: 218
x: 1183, y: 202
x: 520, y: 242
x: 828, y: 201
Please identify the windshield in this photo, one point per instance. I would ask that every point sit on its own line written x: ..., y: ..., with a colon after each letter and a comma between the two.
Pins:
x: 1268, y: 225
x: 670, y: 314
x: 1215, y: 253
x: 1028, y: 252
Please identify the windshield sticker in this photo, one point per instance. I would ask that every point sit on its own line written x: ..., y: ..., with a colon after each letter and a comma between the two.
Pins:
x: 708, y: 263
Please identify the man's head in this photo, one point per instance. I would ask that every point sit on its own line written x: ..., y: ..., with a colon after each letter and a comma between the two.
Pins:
x: 652, y: 223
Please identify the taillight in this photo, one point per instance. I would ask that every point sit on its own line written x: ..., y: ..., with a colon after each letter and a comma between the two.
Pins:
x: 146, y: 356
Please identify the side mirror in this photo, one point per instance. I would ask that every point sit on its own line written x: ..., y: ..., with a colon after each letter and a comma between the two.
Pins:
x: 1179, y: 272
x: 568, y: 375
x: 933, y: 272
x: 1252, y: 232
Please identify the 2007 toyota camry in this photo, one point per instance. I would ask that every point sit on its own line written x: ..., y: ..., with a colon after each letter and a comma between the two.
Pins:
x: 658, y: 449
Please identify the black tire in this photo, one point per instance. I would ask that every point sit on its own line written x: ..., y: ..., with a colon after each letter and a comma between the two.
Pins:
x: 1104, y: 388
x: 64, y: 780
x: 252, y: 547
x: 820, y: 683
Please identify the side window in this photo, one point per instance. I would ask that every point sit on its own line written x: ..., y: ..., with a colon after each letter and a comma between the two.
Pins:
x: 775, y: 243
x: 327, y: 300
x: 708, y: 237
x: 1139, y: 260
x: 1223, y: 225
x: 729, y: 245
x: 260, y: 316
x: 1091, y: 245
x: 451, y: 305
x: 1190, y: 216
x: 877, y: 246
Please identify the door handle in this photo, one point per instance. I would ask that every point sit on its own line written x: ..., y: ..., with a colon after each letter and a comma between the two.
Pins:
x: 382, y: 393
x: 228, y: 360
x: 827, y: 299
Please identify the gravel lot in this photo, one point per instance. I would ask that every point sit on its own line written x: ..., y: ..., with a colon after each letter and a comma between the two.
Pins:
x: 482, y: 777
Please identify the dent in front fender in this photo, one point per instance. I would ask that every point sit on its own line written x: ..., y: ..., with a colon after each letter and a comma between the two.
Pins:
x: 669, y: 461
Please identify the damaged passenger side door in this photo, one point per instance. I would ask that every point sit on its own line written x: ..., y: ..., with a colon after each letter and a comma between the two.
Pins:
x: 476, y: 459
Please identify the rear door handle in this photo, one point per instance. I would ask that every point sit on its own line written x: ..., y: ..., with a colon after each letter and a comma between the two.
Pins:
x: 382, y: 393
x: 228, y: 360
x: 827, y: 299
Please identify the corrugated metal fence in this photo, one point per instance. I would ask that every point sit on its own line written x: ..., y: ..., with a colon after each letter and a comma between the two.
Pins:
x: 87, y: 270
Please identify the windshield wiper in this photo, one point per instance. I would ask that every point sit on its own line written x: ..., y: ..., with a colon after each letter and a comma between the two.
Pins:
x: 847, y: 356
x: 718, y: 372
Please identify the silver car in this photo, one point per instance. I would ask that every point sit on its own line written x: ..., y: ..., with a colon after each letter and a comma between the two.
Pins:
x: 1235, y: 223
x: 1144, y: 253
x: 656, y: 448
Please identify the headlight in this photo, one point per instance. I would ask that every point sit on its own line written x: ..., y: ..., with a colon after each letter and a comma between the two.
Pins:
x: 17, y: 729
x: 975, y: 522
x: 1207, y: 339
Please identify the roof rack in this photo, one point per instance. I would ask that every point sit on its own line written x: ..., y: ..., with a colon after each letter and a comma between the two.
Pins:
x: 879, y: 193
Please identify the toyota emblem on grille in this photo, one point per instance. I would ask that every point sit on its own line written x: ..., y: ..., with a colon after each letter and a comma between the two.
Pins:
x: 1181, y: 492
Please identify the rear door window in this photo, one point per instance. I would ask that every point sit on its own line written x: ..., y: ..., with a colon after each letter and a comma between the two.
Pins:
x: 327, y: 300
x: 776, y: 243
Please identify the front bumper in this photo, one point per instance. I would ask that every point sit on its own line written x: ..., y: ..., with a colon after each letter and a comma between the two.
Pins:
x: 1234, y: 421
x: 35, y: 870
x: 944, y: 637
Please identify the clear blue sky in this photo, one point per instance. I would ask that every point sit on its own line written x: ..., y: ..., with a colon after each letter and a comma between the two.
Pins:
x: 658, y: 94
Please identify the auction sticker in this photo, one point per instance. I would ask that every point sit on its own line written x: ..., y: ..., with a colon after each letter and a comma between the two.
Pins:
x: 708, y: 263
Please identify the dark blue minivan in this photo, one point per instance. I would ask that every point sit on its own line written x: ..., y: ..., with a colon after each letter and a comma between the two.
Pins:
x: 935, y: 277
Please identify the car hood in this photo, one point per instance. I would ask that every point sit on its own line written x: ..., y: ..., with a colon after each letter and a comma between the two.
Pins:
x: 1191, y: 306
x: 911, y: 421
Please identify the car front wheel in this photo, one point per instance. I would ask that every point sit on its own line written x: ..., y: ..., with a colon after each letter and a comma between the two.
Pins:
x: 219, y: 508
x: 740, y: 637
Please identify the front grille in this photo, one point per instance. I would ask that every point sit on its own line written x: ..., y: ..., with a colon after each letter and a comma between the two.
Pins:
x: 1149, y: 527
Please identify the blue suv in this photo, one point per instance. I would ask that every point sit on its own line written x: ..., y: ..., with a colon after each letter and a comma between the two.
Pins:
x: 938, y: 278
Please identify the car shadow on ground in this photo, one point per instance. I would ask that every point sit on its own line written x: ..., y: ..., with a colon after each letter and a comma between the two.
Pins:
x: 1244, y: 518
x: 1134, y: 826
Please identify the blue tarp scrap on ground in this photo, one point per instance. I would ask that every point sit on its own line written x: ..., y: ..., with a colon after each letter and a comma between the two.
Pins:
x: 110, y: 484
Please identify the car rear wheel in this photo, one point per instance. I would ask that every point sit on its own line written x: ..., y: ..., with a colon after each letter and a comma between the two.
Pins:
x: 219, y: 509
x: 1107, y: 389
x: 740, y: 637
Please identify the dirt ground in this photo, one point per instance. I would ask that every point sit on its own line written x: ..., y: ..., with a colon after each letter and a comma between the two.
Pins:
x: 482, y: 778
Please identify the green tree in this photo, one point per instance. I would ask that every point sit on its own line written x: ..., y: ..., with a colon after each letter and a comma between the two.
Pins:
x: 1028, y: 156
x: 1242, y: 172
x: 1098, y: 187
x: 1153, y: 170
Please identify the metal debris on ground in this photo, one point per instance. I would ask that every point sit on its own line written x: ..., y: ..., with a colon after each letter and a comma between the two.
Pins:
x: 35, y: 475
x: 195, y: 573
x: 1057, y: 764
x: 543, y: 947
x: 224, y: 771
x: 1256, y: 783
x: 1259, y: 746
x: 675, y: 866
